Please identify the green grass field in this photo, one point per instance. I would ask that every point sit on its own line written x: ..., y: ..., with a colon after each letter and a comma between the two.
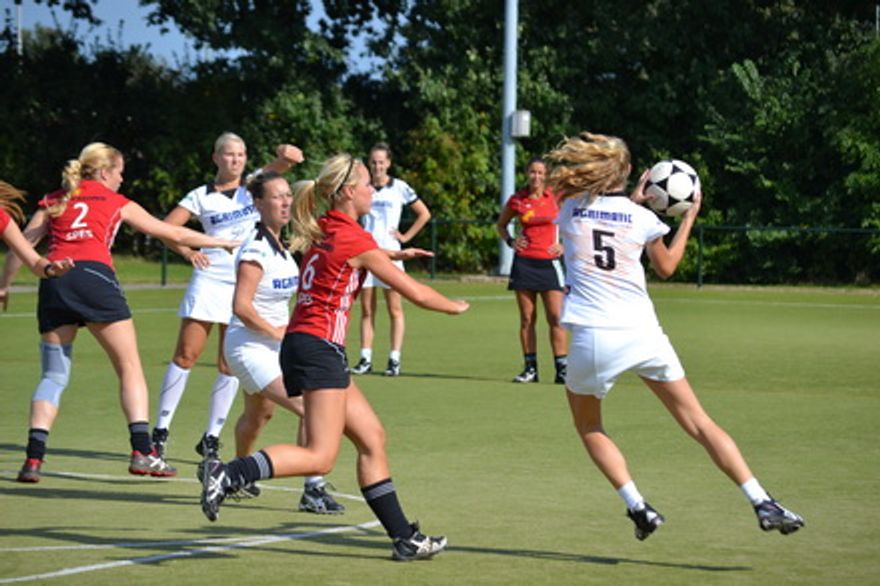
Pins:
x: 493, y: 465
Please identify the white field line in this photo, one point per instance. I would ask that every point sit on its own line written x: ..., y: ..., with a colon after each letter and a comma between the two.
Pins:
x: 233, y: 542
x: 510, y: 298
x: 246, y: 542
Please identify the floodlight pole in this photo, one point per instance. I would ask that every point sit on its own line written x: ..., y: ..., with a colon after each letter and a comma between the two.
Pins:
x: 19, y: 44
x: 508, y: 106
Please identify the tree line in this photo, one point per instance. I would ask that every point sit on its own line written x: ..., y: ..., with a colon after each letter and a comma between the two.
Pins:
x: 774, y: 102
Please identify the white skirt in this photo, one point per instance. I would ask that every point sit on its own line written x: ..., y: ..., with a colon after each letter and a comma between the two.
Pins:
x: 207, y: 300
x: 372, y: 281
x: 252, y: 358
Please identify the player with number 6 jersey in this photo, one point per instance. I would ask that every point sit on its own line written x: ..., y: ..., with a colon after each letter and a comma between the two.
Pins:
x: 313, y: 360
x: 81, y: 221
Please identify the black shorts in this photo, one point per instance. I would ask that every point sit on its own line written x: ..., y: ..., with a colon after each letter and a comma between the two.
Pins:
x: 88, y: 293
x: 536, y: 274
x: 309, y: 362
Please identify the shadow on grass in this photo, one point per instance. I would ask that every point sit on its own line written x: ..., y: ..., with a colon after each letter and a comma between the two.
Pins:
x: 222, y: 541
x: 121, y: 456
x: 429, y: 375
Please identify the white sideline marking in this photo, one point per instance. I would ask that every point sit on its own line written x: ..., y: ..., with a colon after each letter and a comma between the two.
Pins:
x: 244, y: 543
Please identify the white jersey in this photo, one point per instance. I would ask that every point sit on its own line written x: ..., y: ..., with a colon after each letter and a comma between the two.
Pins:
x: 279, y: 282
x: 223, y: 216
x: 605, y: 279
x: 384, y: 216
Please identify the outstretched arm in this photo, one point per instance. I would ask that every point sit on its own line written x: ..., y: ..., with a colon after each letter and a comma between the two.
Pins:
x: 142, y: 221
x: 377, y: 262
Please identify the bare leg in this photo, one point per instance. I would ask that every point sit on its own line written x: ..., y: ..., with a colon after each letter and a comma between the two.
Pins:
x: 682, y: 403
x: 120, y: 343
x: 587, y: 413
x: 258, y: 410
x: 394, y: 302
x: 368, y: 316
x: 525, y: 300
x: 191, y: 342
x: 553, y: 311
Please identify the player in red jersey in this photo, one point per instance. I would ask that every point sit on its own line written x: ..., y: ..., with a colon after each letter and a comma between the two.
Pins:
x: 536, y: 268
x: 18, y: 244
x: 313, y: 360
x: 81, y: 220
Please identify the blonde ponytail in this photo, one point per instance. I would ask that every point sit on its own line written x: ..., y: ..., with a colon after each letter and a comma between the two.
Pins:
x: 94, y: 157
x: 591, y: 163
x: 305, y: 227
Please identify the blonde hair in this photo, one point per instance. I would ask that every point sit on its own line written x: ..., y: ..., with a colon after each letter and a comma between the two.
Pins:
x: 592, y: 163
x: 9, y: 198
x: 92, y: 159
x: 227, y: 137
x: 336, y: 172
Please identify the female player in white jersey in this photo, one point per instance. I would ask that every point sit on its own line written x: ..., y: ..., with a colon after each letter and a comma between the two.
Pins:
x: 266, y: 278
x: 383, y: 222
x: 613, y: 323
x: 225, y: 210
x: 313, y: 360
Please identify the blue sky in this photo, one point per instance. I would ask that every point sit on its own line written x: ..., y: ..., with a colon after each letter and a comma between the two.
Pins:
x: 135, y: 29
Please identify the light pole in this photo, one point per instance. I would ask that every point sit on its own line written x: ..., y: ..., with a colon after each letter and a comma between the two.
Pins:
x: 508, y: 106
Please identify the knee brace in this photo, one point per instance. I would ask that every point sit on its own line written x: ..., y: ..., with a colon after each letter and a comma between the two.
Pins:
x: 55, y: 360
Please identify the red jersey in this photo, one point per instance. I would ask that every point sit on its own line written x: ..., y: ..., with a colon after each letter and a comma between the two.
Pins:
x: 88, y: 225
x: 328, y: 285
x: 537, y: 217
x: 4, y: 220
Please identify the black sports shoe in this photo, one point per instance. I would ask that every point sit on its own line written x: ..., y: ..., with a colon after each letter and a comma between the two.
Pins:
x: 160, y: 440
x: 529, y: 375
x: 393, y: 368
x: 417, y: 547
x: 215, y: 486
x: 208, y: 446
x: 363, y: 366
x: 315, y: 499
x: 773, y: 516
x: 646, y: 520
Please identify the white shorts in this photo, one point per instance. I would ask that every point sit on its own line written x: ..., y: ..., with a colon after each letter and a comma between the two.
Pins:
x: 372, y: 281
x: 597, y: 356
x: 207, y: 300
x: 252, y: 358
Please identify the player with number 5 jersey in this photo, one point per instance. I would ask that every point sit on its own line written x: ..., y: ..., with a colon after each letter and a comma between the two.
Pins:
x: 81, y: 220
x: 614, y: 326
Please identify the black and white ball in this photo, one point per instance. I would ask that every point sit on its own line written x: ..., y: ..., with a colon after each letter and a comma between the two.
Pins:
x: 673, y: 184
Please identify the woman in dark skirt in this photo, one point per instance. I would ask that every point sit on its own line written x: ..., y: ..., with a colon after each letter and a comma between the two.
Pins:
x: 537, y: 269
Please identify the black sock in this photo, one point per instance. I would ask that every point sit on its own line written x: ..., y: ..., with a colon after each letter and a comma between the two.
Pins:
x: 36, y: 446
x: 382, y: 499
x: 561, y: 362
x: 531, y: 361
x: 249, y: 469
x: 139, y: 437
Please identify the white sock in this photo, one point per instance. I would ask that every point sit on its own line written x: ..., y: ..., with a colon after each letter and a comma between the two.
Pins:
x: 173, y: 386
x: 394, y: 355
x: 367, y: 354
x: 313, y: 480
x: 222, y: 397
x: 631, y: 496
x: 754, y: 491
